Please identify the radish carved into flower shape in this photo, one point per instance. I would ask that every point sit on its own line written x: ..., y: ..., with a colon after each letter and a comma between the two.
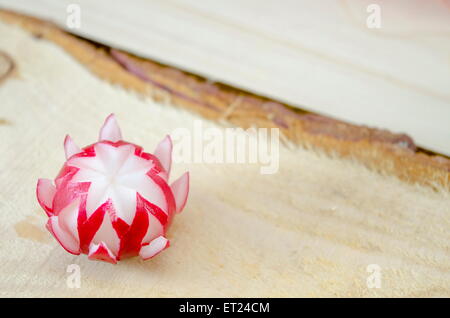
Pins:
x: 111, y: 200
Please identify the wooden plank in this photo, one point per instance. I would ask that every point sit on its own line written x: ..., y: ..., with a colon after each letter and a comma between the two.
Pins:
x: 379, y: 150
x: 312, y: 229
x: 318, y: 55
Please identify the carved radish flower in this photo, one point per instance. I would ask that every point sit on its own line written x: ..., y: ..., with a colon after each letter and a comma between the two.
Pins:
x: 111, y: 200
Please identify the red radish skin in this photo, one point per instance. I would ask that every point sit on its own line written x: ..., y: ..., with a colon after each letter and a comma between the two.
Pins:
x: 111, y: 200
x: 164, y: 152
x: 70, y: 148
x: 180, y: 189
x: 45, y: 192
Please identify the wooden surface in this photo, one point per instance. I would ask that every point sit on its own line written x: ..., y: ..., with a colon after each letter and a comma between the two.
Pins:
x: 318, y: 55
x: 309, y: 230
x: 380, y: 150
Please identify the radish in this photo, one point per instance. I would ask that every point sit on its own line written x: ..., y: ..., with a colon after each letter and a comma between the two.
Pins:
x: 111, y: 200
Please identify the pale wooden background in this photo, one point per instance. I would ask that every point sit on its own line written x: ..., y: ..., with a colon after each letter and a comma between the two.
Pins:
x: 318, y: 55
x: 311, y: 229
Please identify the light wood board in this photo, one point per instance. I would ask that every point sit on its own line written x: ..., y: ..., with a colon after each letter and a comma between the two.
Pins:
x: 318, y: 55
x: 309, y: 230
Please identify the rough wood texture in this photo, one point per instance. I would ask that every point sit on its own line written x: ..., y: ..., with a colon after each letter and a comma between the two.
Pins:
x: 309, y: 230
x: 389, y: 153
x: 393, y: 154
x: 318, y: 55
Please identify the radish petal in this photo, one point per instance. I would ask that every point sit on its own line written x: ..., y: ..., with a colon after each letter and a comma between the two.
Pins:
x: 154, y: 248
x: 70, y: 147
x: 164, y: 153
x: 107, y: 233
x: 101, y: 252
x: 180, y: 190
x: 155, y: 229
x: 45, y: 193
x: 68, y: 220
x: 110, y: 130
x: 131, y: 239
x: 67, y: 241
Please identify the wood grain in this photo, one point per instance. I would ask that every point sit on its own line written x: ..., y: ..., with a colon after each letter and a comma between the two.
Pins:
x: 318, y: 55
x: 309, y: 230
x: 380, y: 150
